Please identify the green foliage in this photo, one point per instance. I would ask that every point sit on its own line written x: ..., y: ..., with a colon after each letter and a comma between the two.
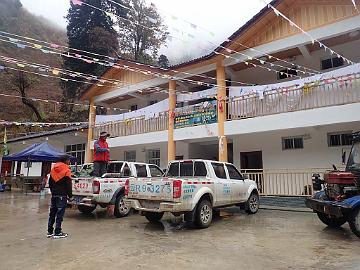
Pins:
x: 136, y: 41
x: 163, y: 61
x: 89, y: 30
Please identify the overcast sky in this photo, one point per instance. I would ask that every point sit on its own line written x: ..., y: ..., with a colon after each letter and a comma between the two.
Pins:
x: 221, y: 17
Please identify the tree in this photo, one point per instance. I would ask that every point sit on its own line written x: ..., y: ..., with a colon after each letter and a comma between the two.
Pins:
x: 163, y: 61
x: 23, y: 83
x: 89, y: 30
x: 142, y: 33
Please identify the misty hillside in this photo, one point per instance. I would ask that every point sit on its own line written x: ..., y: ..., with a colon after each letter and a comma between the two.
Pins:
x: 15, y: 19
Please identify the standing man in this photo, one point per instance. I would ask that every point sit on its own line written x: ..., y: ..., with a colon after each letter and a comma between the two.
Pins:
x: 101, y: 154
x: 61, y: 190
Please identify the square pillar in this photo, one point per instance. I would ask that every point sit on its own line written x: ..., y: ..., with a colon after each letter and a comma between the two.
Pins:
x: 92, y: 117
x: 172, y: 106
x: 221, y: 110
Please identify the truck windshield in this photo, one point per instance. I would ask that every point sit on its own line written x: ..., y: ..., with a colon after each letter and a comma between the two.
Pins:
x: 354, y: 158
x: 187, y: 169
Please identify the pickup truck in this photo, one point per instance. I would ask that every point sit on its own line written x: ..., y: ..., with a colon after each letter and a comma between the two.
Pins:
x: 108, y: 190
x: 193, y: 188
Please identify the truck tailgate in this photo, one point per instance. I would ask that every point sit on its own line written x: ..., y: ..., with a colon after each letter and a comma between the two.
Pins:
x: 82, y: 186
x: 157, y: 189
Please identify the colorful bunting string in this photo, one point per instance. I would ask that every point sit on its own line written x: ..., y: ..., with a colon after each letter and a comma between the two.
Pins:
x: 39, y: 124
x: 313, y: 40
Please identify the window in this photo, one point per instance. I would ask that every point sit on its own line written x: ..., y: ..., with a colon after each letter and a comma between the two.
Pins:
x: 200, y: 169
x: 126, y: 171
x: 331, y: 63
x: 155, y: 171
x: 152, y: 102
x: 153, y: 156
x: 292, y: 143
x: 339, y: 139
x: 115, y: 167
x: 173, y: 169
x: 130, y: 156
x: 133, y: 107
x: 141, y: 170
x: 219, y: 170
x: 284, y: 74
x: 233, y: 172
x: 78, y: 151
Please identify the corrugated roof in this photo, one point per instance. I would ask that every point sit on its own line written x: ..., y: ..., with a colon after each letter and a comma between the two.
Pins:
x: 48, y: 133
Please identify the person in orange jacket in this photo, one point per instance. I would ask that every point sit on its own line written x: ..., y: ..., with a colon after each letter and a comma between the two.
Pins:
x: 61, y: 190
x: 101, y: 154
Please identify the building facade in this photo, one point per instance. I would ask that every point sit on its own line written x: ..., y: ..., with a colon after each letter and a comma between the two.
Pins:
x: 269, y: 99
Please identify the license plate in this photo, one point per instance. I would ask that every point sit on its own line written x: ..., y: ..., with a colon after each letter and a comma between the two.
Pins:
x: 77, y: 199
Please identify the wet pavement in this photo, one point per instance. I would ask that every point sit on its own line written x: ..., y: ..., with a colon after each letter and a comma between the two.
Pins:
x: 235, y: 240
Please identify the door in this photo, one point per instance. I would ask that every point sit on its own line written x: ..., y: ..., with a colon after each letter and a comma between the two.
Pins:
x: 222, y: 184
x: 238, y: 185
x: 252, y: 164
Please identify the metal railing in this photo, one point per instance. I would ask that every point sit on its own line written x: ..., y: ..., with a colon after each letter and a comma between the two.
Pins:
x: 133, y: 126
x: 284, y: 182
x: 304, y: 98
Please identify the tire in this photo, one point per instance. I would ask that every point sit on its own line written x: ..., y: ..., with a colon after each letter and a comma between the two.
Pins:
x: 354, y: 222
x: 331, y: 222
x: 154, y: 217
x: 86, y: 209
x: 121, y: 210
x: 252, y: 204
x: 204, y: 214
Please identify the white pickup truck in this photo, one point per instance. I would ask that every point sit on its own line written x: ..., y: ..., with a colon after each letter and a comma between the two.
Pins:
x: 193, y: 188
x: 109, y: 189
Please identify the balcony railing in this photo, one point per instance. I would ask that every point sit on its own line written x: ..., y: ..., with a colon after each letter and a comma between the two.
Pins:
x: 134, y: 126
x: 305, y: 98
x: 285, y: 182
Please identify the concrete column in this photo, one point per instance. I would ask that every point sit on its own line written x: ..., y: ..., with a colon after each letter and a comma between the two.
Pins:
x: 92, y: 116
x: 172, y: 106
x: 221, y: 97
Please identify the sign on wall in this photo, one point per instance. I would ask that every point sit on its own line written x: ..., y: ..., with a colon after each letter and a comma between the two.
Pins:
x: 200, y: 114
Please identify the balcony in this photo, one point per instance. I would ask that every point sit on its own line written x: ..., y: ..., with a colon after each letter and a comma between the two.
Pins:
x: 336, y: 92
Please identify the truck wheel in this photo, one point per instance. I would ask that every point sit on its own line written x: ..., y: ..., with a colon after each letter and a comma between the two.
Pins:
x: 154, y: 217
x: 86, y: 209
x: 331, y: 222
x: 204, y: 214
x: 252, y: 204
x: 354, y: 222
x: 121, y: 209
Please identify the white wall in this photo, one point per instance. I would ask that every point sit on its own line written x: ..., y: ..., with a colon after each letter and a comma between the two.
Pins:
x: 316, y: 153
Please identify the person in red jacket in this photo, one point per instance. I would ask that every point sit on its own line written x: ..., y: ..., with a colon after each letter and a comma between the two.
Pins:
x: 101, y: 154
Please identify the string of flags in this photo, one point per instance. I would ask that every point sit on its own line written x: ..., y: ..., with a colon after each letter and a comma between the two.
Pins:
x: 61, y: 102
x: 249, y: 58
x: 118, y: 65
x: 230, y: 51
x: 73, y: 74
x: 39, y: 124
x: 313, y: 40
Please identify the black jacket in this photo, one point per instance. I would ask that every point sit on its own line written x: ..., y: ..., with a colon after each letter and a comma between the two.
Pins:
x: 63, y: 187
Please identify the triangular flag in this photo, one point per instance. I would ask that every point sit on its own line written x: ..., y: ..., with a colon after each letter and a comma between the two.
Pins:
x: 37, y: 46
x: 55, y: 72
x: 76, y: 2
x: 21, y: 46
x: 20, y: 65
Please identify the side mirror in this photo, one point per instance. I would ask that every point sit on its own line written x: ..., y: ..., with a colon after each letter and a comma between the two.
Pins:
x: 343, y: 157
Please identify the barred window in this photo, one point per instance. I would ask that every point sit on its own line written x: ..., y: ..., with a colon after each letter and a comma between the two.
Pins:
x: 153, y: 156
x: 339, y: 139
x: 76, y: 150
x: 292, y: 143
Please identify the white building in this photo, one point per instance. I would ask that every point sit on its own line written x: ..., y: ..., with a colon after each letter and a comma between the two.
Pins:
x: 295, y: 123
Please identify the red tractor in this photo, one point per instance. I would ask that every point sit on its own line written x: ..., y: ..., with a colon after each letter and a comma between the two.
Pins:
x: 338, y: 198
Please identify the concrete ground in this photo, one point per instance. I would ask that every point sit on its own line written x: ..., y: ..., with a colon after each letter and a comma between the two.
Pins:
x: 268, y: 240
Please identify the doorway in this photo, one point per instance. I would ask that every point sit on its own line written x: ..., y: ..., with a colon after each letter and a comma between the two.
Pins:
x: 251, y: 160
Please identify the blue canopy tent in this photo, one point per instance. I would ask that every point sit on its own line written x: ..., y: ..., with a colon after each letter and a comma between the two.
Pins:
x: 39, y: 152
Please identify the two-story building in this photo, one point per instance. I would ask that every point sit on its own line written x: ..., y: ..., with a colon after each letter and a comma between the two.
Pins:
x: 269, y: 99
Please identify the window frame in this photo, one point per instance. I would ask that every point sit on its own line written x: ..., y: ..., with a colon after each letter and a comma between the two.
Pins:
x: 332, y: 63
x: 339, y: 133
x: 222, y: 164
x: 151, y: 160
x: 130, y: 152
x: 76, y: 150
x: 293, y: 138
x: 157, y: 168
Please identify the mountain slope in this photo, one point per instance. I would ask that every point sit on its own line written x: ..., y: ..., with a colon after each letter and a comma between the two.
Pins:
x: 17, y: 20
